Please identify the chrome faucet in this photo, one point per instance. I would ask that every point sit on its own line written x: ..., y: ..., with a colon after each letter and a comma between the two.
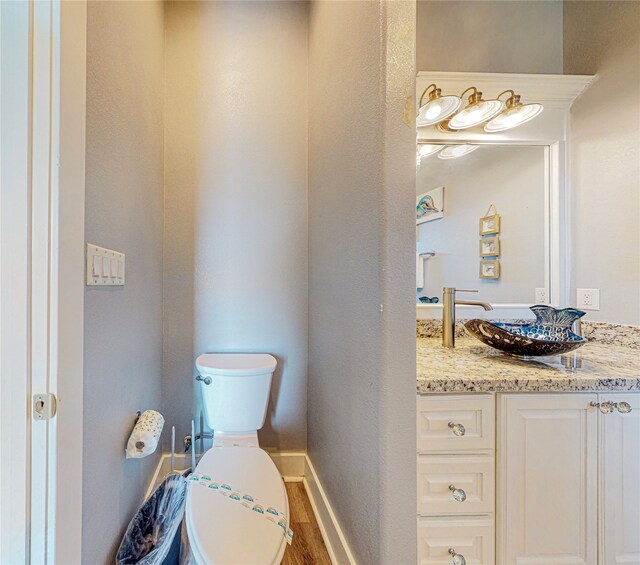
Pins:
x: 449, y: 313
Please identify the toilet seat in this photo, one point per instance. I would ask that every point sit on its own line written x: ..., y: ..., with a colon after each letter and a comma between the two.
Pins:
x: 223, y: 531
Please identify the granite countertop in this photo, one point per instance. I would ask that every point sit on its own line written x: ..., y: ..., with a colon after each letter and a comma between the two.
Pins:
x: 474, y: 367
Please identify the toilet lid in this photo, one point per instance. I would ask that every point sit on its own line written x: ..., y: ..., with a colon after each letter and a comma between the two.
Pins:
x: 223, y: 531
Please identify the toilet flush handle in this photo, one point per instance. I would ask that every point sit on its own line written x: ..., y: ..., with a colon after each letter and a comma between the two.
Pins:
x: 205, y: 380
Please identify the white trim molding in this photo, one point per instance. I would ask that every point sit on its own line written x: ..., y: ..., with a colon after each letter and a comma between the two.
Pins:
x: 68, y: 183
x: 332, y: 533
x: 549, y: 90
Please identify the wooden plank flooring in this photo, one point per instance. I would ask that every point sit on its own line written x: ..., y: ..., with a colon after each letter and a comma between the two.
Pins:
x: 308, y: 547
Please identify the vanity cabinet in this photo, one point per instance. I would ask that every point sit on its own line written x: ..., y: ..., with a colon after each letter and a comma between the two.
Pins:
x: 529, y: 478
x: 620, y: 530
x: 456, y: 479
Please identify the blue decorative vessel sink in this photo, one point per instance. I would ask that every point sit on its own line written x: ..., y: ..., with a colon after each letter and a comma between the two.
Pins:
x: 549, y: 334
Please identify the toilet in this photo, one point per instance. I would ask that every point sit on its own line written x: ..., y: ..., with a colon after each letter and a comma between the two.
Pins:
x: 237, y: 511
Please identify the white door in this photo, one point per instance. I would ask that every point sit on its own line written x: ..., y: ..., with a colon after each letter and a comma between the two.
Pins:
x: 41, y: 278
x: 14, y: 287
x: 547, y: 472
x: 620, y: 481
x: 25, y: 270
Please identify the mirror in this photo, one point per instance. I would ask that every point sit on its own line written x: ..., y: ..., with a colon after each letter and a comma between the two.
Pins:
x: 483, y: 220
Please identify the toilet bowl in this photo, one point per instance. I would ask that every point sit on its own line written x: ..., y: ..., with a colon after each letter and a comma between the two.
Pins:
x: 237, y: 511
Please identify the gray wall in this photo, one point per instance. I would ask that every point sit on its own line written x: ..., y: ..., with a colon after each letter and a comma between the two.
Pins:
x: 493, y: 36
x: 235, y: 242
x: 603, y: 38
x: 361, y: 270
x: 123, y: 325
x: 512, y: 178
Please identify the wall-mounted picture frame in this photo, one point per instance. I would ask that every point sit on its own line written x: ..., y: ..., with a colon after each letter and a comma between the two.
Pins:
x: 490, y: 246
x: 430, y: 205
x: 490, y: 225
x: 490, y: 269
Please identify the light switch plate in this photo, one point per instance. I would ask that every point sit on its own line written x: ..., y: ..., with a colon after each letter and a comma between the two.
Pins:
x: 105, y: 267
x: 588, y: 298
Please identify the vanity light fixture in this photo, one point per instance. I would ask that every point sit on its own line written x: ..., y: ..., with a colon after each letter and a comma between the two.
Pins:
x: 438, y: 107
x: 455, y: 151
x: 516, y: 113
x: 476, y: 112
x: 426, y: 149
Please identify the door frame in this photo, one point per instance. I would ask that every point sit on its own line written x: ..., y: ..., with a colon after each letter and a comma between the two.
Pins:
x: 69, y: 125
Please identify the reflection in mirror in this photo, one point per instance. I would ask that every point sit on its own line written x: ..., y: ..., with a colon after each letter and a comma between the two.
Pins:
x: 482, y: 223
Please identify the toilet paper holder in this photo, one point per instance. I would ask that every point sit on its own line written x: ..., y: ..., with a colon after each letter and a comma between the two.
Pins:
x: 139, y: 444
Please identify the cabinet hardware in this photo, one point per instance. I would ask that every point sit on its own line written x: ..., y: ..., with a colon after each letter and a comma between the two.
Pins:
x: 457, y: 493
x: 457, y: 558
x: 605, y: 407
x: 458, y: 429
x: 608, y: 407
x: 623, y: 407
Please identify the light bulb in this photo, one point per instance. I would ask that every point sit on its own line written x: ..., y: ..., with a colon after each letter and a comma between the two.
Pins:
x: 433, y: 111
x: 427, y: 149
x: 513, y: 117
x: 476, y: 113
x: 437, y: 110
x: 455, y: 151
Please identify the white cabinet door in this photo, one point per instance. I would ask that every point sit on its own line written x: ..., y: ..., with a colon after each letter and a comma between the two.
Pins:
x: 620, y: 482
x: 547, y: 472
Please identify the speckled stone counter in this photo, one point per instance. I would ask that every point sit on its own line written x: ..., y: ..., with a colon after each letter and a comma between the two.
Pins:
x: 474, y: 367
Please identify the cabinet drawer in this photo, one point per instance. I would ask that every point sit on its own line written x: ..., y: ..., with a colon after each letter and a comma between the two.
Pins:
x: 455, y: 423
x: 472, y: 476
x: 471, y: 538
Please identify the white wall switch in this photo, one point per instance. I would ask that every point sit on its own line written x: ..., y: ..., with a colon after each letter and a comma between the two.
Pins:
x: 105, y: 267
x: 541, y: 296
x: 588, y: 298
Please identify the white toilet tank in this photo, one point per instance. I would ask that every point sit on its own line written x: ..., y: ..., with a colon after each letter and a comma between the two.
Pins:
x: 237, y: 397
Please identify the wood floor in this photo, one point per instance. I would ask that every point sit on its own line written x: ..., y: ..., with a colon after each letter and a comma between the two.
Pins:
x: 308, y: 546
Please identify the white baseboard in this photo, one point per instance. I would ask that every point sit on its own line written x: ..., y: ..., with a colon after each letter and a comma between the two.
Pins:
x: 332, y: 534
x: 291, y: 464
x: 294, y: 467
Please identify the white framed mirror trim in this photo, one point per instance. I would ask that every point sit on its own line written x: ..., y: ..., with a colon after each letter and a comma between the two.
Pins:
x: 555, y: 229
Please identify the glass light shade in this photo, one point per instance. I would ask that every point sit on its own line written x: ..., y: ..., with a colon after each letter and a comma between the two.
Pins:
x: 455, y: 151
x: 513, y: 117
x: 438, y: 109
x: 476, y: 113
x: 424, y: 150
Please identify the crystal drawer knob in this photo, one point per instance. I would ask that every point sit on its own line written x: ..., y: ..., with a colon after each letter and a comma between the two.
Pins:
x: 607, y: 407
x: 458, y: 429
x: 456, y: 558
x: 458, y: 494
x: 624, y: 407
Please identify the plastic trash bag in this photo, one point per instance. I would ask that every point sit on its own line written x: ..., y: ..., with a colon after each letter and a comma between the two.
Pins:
x: 150, y: 533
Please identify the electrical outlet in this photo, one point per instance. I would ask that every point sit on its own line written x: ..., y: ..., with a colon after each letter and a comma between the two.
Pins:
x: 588, y: 298
x: 541, y: 296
